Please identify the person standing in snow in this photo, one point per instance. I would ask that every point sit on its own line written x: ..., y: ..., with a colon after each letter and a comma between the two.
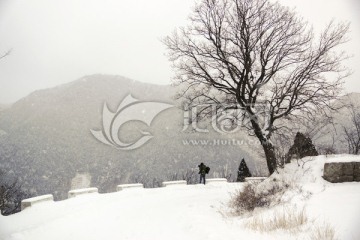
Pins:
x: 203, y: 170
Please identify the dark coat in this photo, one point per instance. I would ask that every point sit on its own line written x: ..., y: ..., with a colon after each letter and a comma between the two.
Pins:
x: 202, y: 169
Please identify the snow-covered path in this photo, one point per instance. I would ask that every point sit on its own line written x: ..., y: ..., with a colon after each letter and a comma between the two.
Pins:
x: 176, y: 212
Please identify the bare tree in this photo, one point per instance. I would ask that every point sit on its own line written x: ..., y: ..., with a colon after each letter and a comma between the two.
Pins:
x: 352, y: 132
x: 254, y: 55
x: 190, y: 176
x: 5, y: 54
x: 224, y: 173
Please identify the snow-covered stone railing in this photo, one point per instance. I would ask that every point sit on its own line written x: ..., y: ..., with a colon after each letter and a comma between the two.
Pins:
x: 344, y: 171
x: 181, y: 182
x: 216, y: 180
x: 255, y: 179
x: 31, y: 201
x: 77, y: 192
x: 126, y: 186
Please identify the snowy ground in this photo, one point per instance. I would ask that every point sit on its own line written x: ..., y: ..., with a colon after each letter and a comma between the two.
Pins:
x: 187, y: 212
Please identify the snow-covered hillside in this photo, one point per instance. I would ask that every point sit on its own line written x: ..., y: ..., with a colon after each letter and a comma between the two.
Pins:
x: 190, y: 212
x: 46, y: 140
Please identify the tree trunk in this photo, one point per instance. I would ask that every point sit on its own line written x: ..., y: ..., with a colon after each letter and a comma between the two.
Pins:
x: 267, y: 146
x: 270, y: 156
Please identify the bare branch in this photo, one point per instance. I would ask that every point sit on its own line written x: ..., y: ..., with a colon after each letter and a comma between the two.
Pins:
x: 5, y: 54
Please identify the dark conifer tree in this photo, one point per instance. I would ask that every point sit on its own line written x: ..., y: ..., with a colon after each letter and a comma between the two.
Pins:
x: 243, y: 171
x: 302, y: 147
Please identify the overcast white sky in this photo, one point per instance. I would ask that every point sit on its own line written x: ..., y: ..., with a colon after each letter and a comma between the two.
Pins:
x: 58, y: 41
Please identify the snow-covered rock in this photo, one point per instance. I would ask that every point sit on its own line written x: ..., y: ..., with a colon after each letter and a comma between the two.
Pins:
x: 127, y: 186
x: 77, y: 192
x: 35, y: 200
x: 216, y: 180
x: 170, y: 183
x: 337, y: 170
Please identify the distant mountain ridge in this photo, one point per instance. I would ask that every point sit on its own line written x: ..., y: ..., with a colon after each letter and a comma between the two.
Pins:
x: 46, y: 142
